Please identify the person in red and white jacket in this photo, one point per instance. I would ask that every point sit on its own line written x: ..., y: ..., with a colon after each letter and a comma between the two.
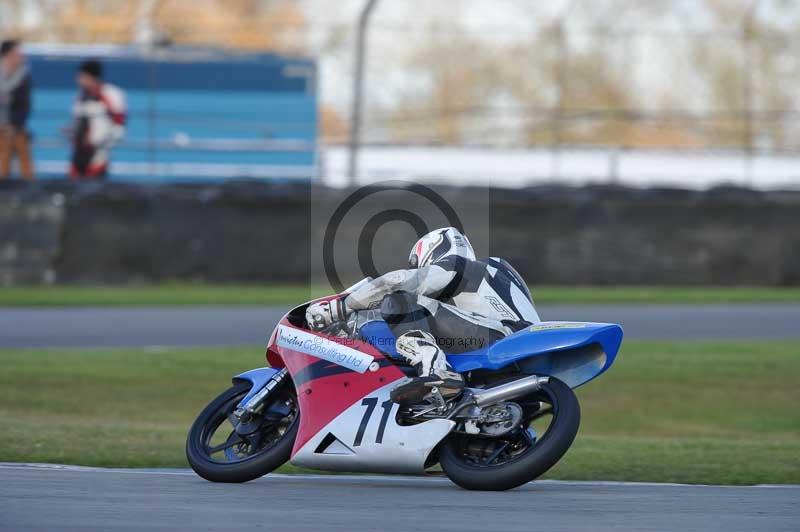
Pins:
x: 100, y: 115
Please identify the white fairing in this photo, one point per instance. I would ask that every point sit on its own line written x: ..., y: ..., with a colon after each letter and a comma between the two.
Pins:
x: 395, y: 449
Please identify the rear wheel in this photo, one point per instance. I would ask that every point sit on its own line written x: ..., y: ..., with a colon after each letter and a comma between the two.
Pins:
x: 550, y: 421
x: 219, y: 452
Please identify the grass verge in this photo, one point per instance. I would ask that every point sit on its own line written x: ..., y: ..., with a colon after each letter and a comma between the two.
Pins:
x: 178, y: 294
x: 718, y: 413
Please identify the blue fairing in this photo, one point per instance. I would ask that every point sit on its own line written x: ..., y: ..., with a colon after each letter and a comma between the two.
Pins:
x: 575, y: 352
x: 259, y: 377
x: 378, y: 334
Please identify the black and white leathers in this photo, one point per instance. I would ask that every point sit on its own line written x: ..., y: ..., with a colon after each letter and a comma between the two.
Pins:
x: 486, y: 295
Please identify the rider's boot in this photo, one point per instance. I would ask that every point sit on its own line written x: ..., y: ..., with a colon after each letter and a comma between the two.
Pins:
x: 420, y: 349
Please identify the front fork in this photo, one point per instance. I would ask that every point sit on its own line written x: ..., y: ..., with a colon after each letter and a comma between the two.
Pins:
x: 254, y: 399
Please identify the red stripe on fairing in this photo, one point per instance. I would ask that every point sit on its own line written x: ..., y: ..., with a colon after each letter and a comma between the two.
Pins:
x: 274, y: 358
x: 324, y: 398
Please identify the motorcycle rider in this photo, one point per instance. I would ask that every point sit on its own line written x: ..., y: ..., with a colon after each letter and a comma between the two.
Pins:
x: 445, y: 297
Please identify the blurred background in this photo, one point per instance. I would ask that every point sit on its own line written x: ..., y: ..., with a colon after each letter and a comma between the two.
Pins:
x: 657, y: 114
x: 692, y: 93
x: 640, y: 162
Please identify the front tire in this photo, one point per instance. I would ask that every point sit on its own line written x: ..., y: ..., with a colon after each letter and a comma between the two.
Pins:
x: 236, y: 458
x: 479, y: 463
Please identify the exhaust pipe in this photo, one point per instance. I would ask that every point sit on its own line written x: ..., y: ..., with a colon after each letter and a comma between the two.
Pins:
x: 507, y: 391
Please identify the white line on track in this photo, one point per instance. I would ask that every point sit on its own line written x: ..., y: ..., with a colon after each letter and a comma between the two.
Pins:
x: 363, y: 478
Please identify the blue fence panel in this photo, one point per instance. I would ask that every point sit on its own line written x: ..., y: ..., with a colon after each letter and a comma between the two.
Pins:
x: 191, y: 117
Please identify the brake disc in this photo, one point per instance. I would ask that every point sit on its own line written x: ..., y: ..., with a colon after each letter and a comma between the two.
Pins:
x: 500, y: 419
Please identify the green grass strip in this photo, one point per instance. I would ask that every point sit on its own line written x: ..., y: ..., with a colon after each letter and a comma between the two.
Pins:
x: 187, y: 294
x: 705, y: 412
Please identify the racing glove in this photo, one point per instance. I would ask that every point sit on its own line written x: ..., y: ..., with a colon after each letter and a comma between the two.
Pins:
x: 320, y: 315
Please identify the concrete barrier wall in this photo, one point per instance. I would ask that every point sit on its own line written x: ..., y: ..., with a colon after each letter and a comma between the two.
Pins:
x: 248, y: 232
x: 30, y: 232
x: 624, y: 236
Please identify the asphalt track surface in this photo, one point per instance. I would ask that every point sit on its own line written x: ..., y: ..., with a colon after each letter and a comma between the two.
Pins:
x: 116, y: 327
x: 61, y: 498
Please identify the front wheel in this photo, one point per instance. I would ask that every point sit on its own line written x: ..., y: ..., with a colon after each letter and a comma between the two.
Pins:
x: 218, y: 452
x: 550, y: 421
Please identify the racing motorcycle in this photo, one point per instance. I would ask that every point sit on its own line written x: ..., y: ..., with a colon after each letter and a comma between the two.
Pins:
x: 323, y: 403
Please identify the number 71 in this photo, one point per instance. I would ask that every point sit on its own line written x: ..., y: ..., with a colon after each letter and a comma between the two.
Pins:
x: 371, y: 403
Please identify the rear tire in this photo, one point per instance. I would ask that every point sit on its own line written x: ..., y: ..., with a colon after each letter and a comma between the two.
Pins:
x: 259, y: 464
x: 529, y: 465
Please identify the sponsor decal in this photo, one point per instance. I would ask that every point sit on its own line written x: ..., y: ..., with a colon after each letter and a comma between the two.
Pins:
x: 321, y: 347
x: 501, y: 309
x: 551, y: 326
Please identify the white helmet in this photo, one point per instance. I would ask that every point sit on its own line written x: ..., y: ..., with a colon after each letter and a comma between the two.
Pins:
x: 439, y: 244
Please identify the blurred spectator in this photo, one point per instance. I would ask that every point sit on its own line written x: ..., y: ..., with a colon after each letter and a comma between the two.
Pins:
x: 99, y: 122
x: 15, y: 107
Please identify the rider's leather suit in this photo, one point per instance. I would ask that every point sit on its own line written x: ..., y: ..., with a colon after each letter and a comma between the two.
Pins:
x: 466, y: 304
